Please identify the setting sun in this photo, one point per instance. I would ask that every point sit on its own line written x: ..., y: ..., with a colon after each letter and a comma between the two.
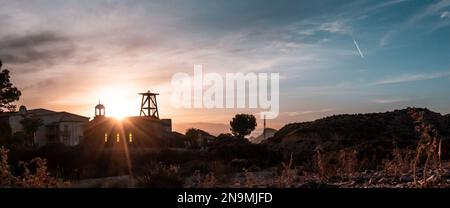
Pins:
x: 118, y: 112
x: 119, y: 102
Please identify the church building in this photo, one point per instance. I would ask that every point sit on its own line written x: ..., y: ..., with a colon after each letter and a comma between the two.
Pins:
x: 145, y: 130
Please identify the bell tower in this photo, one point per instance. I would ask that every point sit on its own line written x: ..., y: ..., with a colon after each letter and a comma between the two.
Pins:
x: 149, y: 106
x: 99, y: 110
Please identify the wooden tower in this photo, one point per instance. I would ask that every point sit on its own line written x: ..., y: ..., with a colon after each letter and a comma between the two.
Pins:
x: 149, y: 106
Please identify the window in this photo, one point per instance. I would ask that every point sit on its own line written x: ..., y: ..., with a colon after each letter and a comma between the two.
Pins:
x: 106, y: 137
x: 130, y: 137
x: 118, y: 137
x: 66, y: 134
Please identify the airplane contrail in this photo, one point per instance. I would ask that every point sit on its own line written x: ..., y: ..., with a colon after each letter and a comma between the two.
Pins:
x: 357, y: 47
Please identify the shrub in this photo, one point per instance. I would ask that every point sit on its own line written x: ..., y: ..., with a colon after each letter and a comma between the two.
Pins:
x: 35, y: 176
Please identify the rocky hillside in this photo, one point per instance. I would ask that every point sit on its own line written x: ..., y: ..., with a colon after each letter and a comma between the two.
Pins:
x: 373, y: 133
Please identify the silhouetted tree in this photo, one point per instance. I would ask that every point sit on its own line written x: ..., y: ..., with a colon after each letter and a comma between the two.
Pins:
x: 242, y: 125
x: 8, y: 93
x: 31, y: 125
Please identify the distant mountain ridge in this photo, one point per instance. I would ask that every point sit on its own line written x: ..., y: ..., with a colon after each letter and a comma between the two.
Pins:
x: 212, y: 128
x: 267, y: 133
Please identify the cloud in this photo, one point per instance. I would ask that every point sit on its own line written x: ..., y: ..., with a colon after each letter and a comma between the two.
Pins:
x: 388, y: 100
x: 307, y: 112
x: 41, y: 84
x: 385, y: 38
x: 445, y: 14
x: 35, y: 47
x: 336, y: 27
x: 384, y: 4
x: 412, y: 78
x: 430, y: 10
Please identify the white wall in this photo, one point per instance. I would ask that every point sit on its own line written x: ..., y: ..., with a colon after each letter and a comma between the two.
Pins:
x: 75, y: 130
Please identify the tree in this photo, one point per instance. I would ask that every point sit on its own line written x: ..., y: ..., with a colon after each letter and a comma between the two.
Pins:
x: 242, y: 125
x: 31, y: 125
x: 8, y: 93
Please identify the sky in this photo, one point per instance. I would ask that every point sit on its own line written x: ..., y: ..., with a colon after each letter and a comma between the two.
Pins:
x: 333, y: 57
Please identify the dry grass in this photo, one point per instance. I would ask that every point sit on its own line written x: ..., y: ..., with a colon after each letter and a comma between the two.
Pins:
x: 205, y: 181
x: 400, y: 163
x: 288, y: 175
x: 343, y: 163
x: 160, y: 175
x: 428, y: 153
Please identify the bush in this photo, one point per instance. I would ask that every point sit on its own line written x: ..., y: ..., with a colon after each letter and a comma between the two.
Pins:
x: 34, y: 174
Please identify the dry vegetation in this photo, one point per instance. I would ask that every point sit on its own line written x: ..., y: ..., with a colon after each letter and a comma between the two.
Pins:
x: 417, y: 167
x: 34, y: 174
x: 232, y: 162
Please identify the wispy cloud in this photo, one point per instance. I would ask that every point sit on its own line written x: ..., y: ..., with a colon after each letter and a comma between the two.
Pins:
x: 431, y: 10
x: 388, y: 100
x: 385, y: 38
x: 307, y: 112
x: 311, y: 28
x: 412, y: 77
x: 357, y: 47
x: 384, y: 4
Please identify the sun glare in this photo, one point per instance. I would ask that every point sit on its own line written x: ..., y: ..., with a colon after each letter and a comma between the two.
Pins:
x: 121, y: 109
x: 118, y: 113
x: 119, y: 102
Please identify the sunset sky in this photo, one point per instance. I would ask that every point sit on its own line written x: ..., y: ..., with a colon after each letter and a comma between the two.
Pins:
x: 333, y: 56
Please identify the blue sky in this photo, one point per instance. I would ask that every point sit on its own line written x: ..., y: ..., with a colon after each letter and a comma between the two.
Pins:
x: 79, y: 51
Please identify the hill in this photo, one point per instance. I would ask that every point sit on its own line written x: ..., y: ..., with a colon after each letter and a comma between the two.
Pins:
x: 373, y: 133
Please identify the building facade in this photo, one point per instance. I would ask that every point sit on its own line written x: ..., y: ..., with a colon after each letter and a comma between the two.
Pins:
x: 135, y: 131
x: 63, y: 127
